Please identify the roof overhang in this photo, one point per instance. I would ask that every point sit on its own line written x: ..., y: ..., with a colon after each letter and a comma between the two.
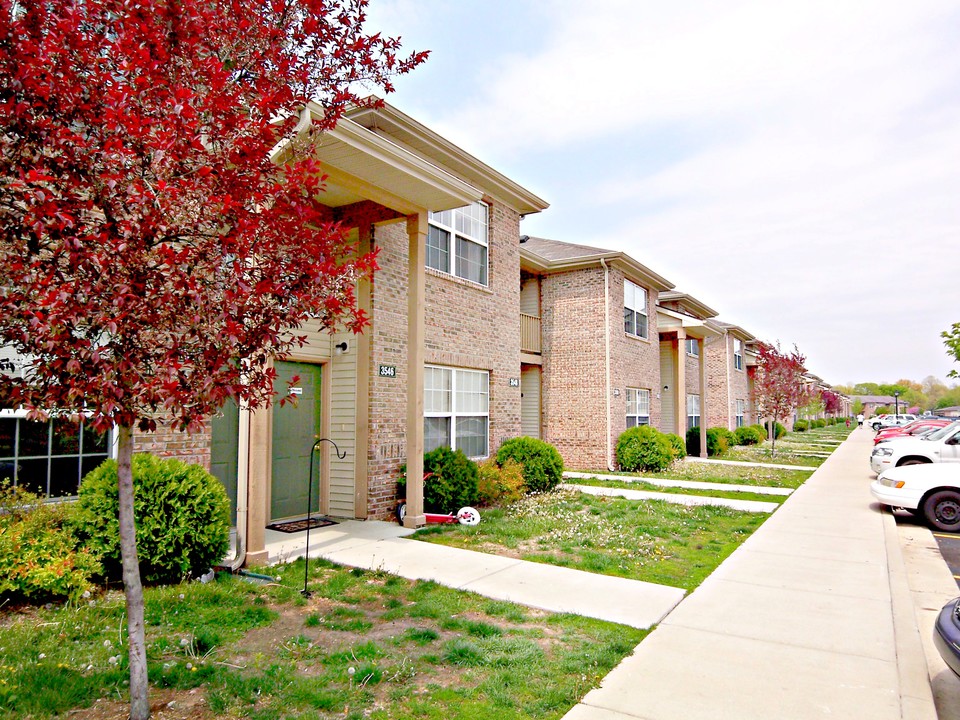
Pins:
x: 671, y: 321
x: 704, y: 311
x: 631, y: 268
x: 361, y: 165
x: 386, y: 121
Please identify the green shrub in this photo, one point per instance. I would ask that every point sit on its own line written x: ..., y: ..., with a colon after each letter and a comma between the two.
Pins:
x: 644, y: 448
x: 182, y: 516
x: 726, y: 434
x: 748, y: 435
x: 40, y: 556
x: 800, y: 426
x: 450, y: 480
x: 818, y: 423
x: 717, y: 442
x: 500, y: 485
x: 677, y: 444
x: 542, y: 464
x: 778, y: 430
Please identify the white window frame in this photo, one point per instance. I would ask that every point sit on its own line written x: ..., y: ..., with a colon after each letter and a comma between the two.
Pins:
x: 468, y: 226
x: 638, y: 407
x: 633, y: 309
x: 457, y: 380
x: 740, y: 412
x: 693, y: 411
x: 49, y: 455
x: 738, y: 354
x: 693, y: 347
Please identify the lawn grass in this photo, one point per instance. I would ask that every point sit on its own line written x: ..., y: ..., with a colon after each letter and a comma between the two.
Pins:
x: 793, y: 447
x: 652, y: 540
x: 364, y: 645
x: 728, y: 474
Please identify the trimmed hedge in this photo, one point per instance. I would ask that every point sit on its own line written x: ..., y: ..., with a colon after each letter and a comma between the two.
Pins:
x: 717, y: 442
x: 748, y: 435
x: 644, y: 448
x: 182, y: 515
x: 451, y: 481
x: 678, y: 445
x: 779, y: 430
x: 542, y: 464
x: 500, y: 485
x: 800, y: 426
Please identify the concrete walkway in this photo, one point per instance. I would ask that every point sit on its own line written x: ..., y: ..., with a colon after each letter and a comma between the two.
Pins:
x: 686, y: 484
x: 677, y: 498
x: 773, y: 466
x: 382, y: 546
x: 810, y: 618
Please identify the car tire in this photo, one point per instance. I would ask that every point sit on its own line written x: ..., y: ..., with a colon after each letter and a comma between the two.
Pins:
x: 942, y: 510
x: 913, y: 461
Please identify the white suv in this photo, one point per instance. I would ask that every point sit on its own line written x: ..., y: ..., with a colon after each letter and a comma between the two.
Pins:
x: 941, y: 445
x: 892, y: 421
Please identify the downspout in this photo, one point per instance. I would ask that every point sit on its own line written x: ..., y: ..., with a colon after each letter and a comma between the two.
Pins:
x: 606, y: 337
x: 243, y: 491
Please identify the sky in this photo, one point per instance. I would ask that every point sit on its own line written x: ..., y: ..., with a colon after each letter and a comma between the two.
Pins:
x: 793, y: 165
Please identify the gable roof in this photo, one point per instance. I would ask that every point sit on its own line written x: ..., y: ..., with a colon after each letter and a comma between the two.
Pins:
x: 545, y: 255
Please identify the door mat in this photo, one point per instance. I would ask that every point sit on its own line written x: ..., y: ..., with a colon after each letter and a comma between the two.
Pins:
x: 300, y: 525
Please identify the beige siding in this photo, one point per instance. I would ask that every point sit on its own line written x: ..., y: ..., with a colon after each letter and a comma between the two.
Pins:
x: 343, y: 426
x: 530, y: 296
x: 668, y: 418
x: 318, y: 345
x: 530, y: 401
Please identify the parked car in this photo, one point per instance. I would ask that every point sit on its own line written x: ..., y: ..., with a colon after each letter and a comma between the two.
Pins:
x: 917, y: 427
x: 892, y: 421
x: 941, y: 445
x: 930, y: 491
x: 946, y: 634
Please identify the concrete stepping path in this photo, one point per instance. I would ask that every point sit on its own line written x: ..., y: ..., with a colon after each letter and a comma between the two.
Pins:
x: 676, y: 498
x: 773, y: 466
x: 688, y: 484
x: 383, y: 546
x: 810, y: 618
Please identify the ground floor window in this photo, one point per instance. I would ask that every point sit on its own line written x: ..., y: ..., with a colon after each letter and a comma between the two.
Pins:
x: 48, y: 458
x: 741, y: 408
x: 638, y: 407
x: 693, y: 411
x: 456, y: 405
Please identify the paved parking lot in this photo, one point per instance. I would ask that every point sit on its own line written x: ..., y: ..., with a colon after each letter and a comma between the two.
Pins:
x: 948, y: 543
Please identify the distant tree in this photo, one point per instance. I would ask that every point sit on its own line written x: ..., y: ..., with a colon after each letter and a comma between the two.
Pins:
x: 857, y: 407
x: 951, y: 338
x: 779, y: 382
x: 161, y: 223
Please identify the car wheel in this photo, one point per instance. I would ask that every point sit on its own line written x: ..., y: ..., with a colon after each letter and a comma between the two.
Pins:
x: 942, y: 510
x: 913, y: 461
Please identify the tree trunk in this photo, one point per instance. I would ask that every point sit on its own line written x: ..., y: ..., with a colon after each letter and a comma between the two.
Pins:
x: 132, y: 587
x: 773, y: 436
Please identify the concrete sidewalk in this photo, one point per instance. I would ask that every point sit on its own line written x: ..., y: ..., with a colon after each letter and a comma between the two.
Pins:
x: 382, y: 546
x: 810, y: 618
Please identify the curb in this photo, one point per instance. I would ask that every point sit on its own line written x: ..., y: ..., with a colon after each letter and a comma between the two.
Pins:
x: 916, y: 695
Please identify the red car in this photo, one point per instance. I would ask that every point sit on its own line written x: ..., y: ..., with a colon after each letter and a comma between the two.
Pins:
x: 915, y: 428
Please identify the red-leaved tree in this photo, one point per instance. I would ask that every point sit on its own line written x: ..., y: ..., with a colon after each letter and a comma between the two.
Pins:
x: 831, y: 402
x: 779, y: 383
x: 161, y: 219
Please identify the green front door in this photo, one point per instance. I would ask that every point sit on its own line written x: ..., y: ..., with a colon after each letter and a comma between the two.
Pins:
x: 296, y: 427
x: 224, y: 451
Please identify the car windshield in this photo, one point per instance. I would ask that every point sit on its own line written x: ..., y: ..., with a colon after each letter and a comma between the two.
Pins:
x: 942, y: 432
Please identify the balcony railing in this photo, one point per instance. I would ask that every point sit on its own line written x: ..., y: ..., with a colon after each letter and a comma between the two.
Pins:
x: 529, y: 333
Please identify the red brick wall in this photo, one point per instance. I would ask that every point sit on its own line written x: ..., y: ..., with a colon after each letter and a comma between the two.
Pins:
x: 467, y: 326
x: 192, y: 448
x: 574, y: 370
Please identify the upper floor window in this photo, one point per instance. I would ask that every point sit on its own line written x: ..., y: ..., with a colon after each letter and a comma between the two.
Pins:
x: 456, y: 409
x: 634, y: 309
x: 457, y: 242
x: 638, y: 407
x: 738, y: 354
x: 693, y: 347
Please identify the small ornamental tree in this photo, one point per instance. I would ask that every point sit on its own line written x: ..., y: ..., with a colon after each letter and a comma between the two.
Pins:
x: 162, y: 227
x: 778, y: 382
x: 831, y: 402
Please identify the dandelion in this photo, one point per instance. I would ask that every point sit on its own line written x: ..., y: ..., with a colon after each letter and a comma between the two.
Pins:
x: 113, y: 659
x: 107, y: 643
x: 189, y: 666
x: 41, y: 656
